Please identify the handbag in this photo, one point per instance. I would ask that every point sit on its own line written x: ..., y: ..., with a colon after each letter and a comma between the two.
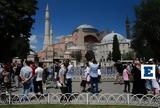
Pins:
x: 83, y: 83
x: 130, y: 76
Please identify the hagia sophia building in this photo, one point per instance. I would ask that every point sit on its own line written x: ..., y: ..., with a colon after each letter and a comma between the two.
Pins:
x: 84, y: 37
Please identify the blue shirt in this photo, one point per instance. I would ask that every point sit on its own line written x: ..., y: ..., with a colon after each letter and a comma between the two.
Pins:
x: 26, y: 72
x: 69, y: 73
x: 93, y: 70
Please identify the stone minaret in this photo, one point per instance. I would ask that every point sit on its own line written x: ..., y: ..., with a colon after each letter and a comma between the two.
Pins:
x: 51, y: 35
x: 47, y: 29
x: 127, y: 22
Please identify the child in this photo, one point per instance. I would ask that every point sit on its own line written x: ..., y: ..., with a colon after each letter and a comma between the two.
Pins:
x: 126, y: 74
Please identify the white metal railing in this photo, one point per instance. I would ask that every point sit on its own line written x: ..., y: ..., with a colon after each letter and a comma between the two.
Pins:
x: 108, y: 74
x: 83, y: 98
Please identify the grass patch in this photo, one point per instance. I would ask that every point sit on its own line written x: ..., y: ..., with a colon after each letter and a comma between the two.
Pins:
x: 71, y: 106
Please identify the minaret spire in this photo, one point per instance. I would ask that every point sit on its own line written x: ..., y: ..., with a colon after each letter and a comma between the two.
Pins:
x: 51, y: 35
x: 47, y: 29
x: 127, y: 22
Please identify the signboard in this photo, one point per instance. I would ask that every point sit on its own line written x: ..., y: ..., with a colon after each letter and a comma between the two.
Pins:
x: 148, y: 72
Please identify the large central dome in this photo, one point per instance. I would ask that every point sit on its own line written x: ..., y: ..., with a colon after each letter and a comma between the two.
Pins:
x: 84, y: 26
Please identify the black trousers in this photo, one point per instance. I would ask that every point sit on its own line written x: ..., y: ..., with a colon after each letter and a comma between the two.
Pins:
x: 69, y: 85
x: 38, y: 87
x: 126, y: 84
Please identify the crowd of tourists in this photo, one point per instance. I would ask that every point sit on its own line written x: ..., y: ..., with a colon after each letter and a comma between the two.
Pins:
x: 33, y: 77
x: 26, y: 75
x: 131, y: 72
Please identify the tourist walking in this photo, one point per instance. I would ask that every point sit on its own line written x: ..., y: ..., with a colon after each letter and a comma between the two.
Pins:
x: 16, y: 77
x: 85, y: 78
x: 56, y: 73
x: 69, y: 75
x: 94, y: 76
x: 6, y: 77
x: 33, y: 66
x: 26, y: 75
x: 44, y: 76
x: 38, y: 75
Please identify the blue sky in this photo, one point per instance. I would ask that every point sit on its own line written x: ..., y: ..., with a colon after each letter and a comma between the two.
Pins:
x: 66, y: 15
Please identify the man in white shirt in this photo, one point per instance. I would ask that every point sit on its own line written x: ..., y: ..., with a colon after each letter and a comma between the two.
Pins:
x: 69, y: 75
x: 38, y: 73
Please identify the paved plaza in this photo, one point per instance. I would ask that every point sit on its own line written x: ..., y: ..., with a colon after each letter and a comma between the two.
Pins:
x: 111, y: 94
x: 106, y: 87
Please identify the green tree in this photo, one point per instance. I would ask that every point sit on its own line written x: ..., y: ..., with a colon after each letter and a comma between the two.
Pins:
x: 147, y: 29
x: 116, y: 54
x: 77, y: 55
x: 109, y: 57
x: 128, y: 56
x: 89, y: 55
x: 15, y: 27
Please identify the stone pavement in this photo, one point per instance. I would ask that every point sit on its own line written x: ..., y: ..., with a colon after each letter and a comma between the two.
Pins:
x: 112, y: 94
x: 107, y: 87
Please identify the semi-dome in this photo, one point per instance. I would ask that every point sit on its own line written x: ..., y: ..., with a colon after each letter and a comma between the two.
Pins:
x: 84, y: 26
x: 109, y: 37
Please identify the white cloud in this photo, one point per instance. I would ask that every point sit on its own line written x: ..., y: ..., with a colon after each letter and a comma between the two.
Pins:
x: 33, y: 41
x: 33, y: 47
x: 58, y: 37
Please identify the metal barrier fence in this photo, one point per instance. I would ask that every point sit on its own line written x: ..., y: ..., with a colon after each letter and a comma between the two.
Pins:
x: 107, y: 73
x: 104, y: 70
x: 84, y: 98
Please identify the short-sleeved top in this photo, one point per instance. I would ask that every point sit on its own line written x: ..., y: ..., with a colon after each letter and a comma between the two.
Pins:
x: 26, y: 72
x: 86, y: 73
x: 62, y: 71
x: 38, y: 73
x: 93, y: 70
x: 69, y: 73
